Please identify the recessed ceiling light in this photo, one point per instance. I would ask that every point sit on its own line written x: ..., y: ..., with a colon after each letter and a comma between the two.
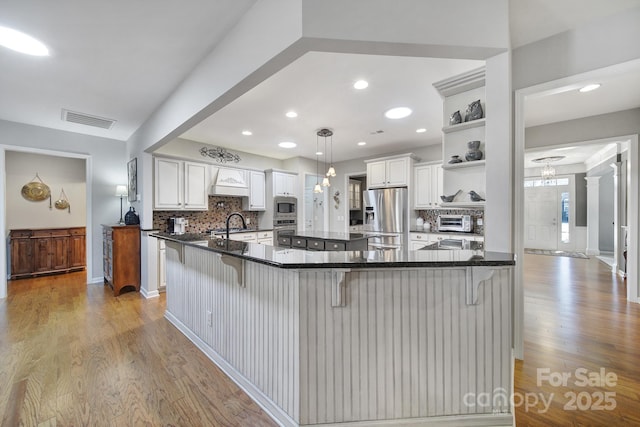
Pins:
x: 288, y: 144
x: 291, y: 114
x: 589, y: 88
x: 362, y: 143
x: 421, y: 130
x: 319, y: 153
x: 21, y: 42
x: 398, y: 113
x: 247, y: 132
x: 361, y: 84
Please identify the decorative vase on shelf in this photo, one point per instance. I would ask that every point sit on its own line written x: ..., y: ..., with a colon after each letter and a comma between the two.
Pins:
x: 131, y: 218
x: 474, y: 152
x: 455, y: 118
x: 474, y: 111
x: 455, y: 159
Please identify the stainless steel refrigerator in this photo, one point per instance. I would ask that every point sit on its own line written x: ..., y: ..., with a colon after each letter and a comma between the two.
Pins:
x: 386, y: 214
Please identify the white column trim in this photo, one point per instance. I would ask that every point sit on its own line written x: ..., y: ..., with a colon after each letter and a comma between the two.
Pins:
x: 593, y: 215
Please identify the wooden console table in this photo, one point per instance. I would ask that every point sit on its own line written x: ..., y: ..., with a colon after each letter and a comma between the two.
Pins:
x: 47, y: 251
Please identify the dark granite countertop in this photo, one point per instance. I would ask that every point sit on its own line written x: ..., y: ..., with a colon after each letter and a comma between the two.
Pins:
x: 453, y: 233
x: 298, y: 258
x: 239, y: 230
x: 329, y: 235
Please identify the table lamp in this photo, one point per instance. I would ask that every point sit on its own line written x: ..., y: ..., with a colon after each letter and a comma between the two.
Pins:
x: 121, y: 191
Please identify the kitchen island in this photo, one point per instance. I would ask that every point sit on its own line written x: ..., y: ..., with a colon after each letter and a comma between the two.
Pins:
x: 324, y: 241
x: 333, y: 338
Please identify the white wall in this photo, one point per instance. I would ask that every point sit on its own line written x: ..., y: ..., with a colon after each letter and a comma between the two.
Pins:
x: 107, y: 162
x: 59, y: 173
x: 592, y: 128
x: 599, y: 44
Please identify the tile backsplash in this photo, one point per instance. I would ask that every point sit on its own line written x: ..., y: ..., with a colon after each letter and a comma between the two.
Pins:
x: 214, y: 217
x: 431, y: 216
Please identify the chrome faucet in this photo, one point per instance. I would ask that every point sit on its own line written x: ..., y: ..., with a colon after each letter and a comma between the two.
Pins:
x: 244, y: 224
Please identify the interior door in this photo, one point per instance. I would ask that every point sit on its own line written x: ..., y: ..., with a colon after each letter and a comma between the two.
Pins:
x: 541, y: 218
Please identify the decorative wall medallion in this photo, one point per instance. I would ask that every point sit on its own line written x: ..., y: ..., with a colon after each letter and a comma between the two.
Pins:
x: 63, y: 202
x: 221, y: 155
x: 36, y: 190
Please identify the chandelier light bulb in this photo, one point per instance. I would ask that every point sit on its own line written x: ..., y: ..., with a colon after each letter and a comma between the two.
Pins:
x: 317, y: 189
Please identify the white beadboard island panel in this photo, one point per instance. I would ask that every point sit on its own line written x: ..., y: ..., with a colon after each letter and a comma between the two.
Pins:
x: 404, y: 347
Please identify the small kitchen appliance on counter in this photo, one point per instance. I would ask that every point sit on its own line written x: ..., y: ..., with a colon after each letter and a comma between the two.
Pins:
x: 460, y: 223
x: 177, y: 225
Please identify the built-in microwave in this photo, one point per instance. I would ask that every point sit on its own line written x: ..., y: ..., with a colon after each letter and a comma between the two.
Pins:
x: 284, y: 208
x: 461, y: 223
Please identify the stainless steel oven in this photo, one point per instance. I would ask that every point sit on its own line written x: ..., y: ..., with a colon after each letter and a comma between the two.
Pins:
x: 283, y: 229
x: 284, y: 208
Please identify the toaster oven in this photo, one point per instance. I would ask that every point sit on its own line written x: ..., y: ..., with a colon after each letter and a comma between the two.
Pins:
x: 461, y: 223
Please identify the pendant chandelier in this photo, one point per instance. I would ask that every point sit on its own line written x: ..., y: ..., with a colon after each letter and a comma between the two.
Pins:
x: 317, y: 188
x: 548, y: 172
x: 331, y: 172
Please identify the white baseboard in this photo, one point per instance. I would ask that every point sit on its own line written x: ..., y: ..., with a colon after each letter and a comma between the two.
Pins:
x: 149, y: 294
x: 96, y: 281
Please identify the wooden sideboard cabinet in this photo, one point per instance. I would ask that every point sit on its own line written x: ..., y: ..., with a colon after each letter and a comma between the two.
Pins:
x: 47, y: 251
x: 121, y: 257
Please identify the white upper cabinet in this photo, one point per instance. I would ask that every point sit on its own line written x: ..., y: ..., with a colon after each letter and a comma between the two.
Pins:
x: 390, y: 172
x: 377, y: 174
x: 180, y: 185
x: 257, y: 200
x: 284, y: 184
x: 427, y: 187
x: 168, y: 191
x: 196, y: 181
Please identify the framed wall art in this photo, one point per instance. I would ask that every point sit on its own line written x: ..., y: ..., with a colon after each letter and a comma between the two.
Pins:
x: 132, y: 173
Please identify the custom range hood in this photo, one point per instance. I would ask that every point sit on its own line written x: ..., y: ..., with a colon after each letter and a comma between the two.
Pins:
x: 229, y: 182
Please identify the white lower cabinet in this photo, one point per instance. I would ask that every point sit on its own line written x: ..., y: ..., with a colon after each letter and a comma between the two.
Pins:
x: 244, y: 237
x: 265, y: 237
x: 262, y: 237
x: 420, y: 240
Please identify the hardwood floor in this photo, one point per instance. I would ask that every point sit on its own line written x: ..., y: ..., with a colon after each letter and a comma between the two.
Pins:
x: 74, y: 355
x: 577, y: 317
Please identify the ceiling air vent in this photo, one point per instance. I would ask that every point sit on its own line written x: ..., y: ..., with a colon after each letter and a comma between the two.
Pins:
x: 86, y: 119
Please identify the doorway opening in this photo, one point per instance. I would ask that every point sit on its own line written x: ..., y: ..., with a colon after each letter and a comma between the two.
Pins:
x: 575, y: 133
x: 82, y: 204
x: 549, y: 214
